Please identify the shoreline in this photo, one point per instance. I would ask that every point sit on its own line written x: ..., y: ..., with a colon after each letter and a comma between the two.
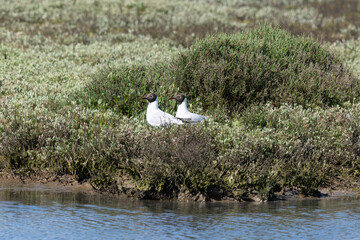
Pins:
x: 68, y: 183
x: 64, y: 183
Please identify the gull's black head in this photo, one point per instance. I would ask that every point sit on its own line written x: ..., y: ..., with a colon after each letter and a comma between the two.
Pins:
x: 151, y: 97
x: 179, y: 98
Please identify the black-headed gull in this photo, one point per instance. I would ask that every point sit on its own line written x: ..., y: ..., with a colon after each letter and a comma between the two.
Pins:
x: 183, y: 112
x: 155, y: 117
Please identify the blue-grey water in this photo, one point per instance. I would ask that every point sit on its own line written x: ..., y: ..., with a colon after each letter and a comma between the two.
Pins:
x: 40, y: 213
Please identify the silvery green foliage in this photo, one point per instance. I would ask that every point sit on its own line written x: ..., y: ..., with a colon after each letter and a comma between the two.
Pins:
x: 350, y: 52
x: 51, y: 50
x: 39, y: 22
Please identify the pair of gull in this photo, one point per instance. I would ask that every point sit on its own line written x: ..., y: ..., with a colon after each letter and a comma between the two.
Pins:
x: 156, y: 117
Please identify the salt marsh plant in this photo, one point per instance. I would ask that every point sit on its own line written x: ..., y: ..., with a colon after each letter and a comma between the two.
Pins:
x: 261, y: 65
x: 234, y: 71
x: 88, y: 21
x: 120, y: 88
x: 286, y: 117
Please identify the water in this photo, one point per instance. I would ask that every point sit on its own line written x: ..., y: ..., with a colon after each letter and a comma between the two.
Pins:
x: 40, y: 213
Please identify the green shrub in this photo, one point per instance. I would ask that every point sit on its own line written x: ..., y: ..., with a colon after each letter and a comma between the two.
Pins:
x: 120, y: 89
x: 293, y: 148
x: 50, y: 56
x: 77, y: 143
x: 172, y: 158
x: 263, y: 64
x: 233, y: 71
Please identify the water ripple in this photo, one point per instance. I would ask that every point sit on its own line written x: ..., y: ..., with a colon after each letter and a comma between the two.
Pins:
x: 28, y: 214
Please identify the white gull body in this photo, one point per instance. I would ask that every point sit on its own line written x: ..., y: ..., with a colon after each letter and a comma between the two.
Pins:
x: 184, y: 114
x: 156, y: 117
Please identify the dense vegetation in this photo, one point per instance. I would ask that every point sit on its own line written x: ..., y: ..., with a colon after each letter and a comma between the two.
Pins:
x: 263, y: 65
x: 284, y: 110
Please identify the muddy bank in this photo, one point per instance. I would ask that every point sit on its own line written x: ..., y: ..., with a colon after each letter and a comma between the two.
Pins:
x: 67, y: 183
x: 64, y: 183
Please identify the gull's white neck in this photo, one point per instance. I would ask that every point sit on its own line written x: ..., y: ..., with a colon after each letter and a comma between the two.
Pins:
x: 182, y: 108
x: 153, y: 105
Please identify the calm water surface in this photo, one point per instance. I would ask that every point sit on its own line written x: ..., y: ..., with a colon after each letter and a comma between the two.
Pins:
x: 40, y: 213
